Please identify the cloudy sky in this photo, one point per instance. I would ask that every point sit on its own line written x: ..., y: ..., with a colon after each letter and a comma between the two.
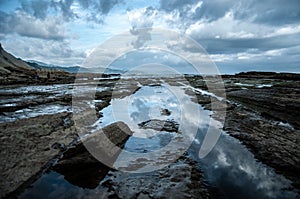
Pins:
x: 239, y: 36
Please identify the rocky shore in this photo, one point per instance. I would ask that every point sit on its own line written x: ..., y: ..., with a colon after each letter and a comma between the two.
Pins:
x: 267, y: 122
x: 262, y: 112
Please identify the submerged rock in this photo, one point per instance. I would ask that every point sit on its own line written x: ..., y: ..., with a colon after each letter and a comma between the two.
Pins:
x: 160, y: 125
x: 165, y: 112
x: 181, y: 179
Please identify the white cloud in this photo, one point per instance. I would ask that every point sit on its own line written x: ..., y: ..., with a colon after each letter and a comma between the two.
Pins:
x: 141, y: 18
x: 195, y: 7
x: 286, y: 30
x: 227, y: 27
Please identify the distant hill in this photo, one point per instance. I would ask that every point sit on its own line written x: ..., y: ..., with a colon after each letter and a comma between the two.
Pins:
x: 71, y: 69
x: 10, y: 65
x: 16, y: 71
x: 13, y: 70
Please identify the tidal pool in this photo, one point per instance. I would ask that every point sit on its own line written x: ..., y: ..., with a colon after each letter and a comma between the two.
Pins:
x: 230, y: 167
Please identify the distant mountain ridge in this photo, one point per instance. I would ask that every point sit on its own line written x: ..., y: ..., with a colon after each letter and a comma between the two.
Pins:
x: 41, y: 65
x: 72, y: 69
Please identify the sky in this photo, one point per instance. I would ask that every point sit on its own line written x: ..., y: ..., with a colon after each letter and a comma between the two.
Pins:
x: 244, y: 35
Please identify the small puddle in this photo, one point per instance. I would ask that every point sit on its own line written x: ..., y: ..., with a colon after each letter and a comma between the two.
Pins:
x: 53, y: 185
x: 14, y: 97
x: 45, y: 109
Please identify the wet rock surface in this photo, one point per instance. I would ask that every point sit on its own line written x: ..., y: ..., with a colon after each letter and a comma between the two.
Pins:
x: 268, y: 123
x: 165, y: 112
x: 81, y: 168
x: 26, y: 147
x: 261, y: 112
x: 277, y: 103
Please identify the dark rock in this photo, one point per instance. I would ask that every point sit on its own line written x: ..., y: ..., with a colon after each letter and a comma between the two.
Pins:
x: 81, y: 168
x: 59, y: 146
x: 277, y: 103
x: 25, y: 148
x: 165, y: 112
x: 160, y: 125
x: 265, y: 75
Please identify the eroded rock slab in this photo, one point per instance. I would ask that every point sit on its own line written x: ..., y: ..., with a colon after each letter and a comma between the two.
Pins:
x: 26, y: 147
x: 81, y: 168
x: 281, y: 104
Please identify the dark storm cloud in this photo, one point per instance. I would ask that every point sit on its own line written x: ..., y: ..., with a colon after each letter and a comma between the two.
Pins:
x: 84, y: 3
x: 65, y: 7
x: 175, y: 4
x: 40, y: 9
x: 242, y: 35
x: 272, y: 12
x: 104, y: 6
x: 36, y: 8
x: 4, y: 22
x: 26, y: 25
x: 213, y: 10
x: 98, y: 9
x: 229, y: 46
x: 210, y: 9
x: 44, y: 19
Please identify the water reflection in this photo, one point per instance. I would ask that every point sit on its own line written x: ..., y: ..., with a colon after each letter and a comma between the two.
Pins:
x: 229, y: 167
x: 53, y: 185
x: 232, y: 168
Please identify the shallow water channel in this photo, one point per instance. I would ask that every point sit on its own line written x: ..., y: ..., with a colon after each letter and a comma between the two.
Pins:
x: 230, y: 167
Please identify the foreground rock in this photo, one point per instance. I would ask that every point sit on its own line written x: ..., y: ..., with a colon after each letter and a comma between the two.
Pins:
x: 81, y: 168
x: 28, y: 146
